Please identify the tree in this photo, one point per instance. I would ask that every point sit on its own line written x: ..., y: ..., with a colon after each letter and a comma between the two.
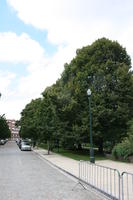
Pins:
x: 4, y: 128
x: 30, y: 119
x: 63, y: 112
x: 108, y: 64
x: 49, y: 117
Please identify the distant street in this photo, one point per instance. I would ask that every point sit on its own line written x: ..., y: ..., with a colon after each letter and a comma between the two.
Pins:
x: 24, y: 176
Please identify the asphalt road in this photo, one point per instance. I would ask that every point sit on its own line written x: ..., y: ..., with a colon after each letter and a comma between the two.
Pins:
x: 25, y: 176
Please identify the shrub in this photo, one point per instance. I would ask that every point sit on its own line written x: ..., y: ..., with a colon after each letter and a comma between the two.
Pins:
x: 123, y: 150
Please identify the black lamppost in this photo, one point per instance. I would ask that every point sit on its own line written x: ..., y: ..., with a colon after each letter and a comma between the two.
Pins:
x: 92, y: 159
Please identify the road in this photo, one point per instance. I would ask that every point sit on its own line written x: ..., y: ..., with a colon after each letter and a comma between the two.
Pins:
x: 25, y: 176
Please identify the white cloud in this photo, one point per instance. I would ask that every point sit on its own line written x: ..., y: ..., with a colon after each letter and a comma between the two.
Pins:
x: 12, y: 108
x: 46, y: 73
x: 42, y: 71
x: 16, y: 49
x: 75, y: 21
x: 19, y: 50
x: 5, y: 80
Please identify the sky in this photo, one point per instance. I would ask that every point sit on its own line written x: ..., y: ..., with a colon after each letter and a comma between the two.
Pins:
x: 37, y: 37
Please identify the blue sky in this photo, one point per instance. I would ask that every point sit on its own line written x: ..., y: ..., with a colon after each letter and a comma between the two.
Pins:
x: 37, y: 37
x: 10, y: 22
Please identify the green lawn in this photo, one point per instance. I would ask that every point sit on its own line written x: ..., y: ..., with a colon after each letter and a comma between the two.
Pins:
x: 76, y: 154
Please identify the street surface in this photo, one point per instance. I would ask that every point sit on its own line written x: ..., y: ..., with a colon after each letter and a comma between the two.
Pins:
x: 25, y: 176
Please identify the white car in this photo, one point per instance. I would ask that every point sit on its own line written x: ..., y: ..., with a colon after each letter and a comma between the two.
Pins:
x: 25, y: 146
x: 2, y: 142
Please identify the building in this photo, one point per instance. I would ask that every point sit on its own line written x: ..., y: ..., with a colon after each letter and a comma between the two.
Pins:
x: 13, y: 128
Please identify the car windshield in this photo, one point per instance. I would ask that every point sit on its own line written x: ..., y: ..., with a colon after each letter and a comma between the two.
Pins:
x: 26, y: 143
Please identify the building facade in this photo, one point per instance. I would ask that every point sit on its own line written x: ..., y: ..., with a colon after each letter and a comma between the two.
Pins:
x: 13, y: 128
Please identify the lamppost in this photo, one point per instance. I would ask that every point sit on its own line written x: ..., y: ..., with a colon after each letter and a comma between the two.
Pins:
x: 92, y: 159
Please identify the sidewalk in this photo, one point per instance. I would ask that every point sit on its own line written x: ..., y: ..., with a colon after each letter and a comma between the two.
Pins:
x: 120, y: 166
x: 72, y: 166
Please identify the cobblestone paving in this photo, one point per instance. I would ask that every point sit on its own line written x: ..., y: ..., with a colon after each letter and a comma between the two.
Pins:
x: 24, y: 176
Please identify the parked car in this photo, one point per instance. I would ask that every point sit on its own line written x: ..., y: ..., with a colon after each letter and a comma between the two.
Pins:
x: 25, y: 146
x: 6, y: 139
x: 2, y: 141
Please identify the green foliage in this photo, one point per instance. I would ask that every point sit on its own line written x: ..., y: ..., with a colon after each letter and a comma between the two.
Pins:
x: 30, y: 120
x: 63, y: 112
x: 122, y: 150
x: 108, y: 65
x: 125, y: 149
x: 4, y: 128
x: 108, y: 146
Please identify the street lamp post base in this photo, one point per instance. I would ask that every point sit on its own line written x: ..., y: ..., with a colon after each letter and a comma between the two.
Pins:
x: 92, y: 159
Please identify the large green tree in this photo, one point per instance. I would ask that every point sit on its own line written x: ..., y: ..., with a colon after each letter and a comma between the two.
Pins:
x: 4, y: 128
x: 105, y: 67
x: 63, y: 112
x: 30, y: 120
x: 49, y: 117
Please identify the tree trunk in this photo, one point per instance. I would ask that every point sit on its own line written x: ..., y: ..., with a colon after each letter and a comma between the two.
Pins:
x: 48, y: 147
x: 79, y: 147
x: 100, y: 147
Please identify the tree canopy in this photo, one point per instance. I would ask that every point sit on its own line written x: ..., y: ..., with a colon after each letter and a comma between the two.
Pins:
x: 4, y: 128
x: 63, y: 112
x: 30, y: 120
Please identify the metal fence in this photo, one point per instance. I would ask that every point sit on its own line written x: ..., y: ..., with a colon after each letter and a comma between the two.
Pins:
x: 107, y: 180
x: 127, y: 186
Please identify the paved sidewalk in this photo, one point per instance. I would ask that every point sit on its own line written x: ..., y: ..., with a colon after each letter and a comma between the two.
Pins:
x: 72, y: 166
x: 120, y: 166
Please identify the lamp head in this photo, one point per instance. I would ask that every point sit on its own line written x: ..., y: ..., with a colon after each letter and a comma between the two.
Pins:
x: 89, y: 92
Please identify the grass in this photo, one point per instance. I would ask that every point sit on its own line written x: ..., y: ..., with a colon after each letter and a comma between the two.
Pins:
x: 76, y: 154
